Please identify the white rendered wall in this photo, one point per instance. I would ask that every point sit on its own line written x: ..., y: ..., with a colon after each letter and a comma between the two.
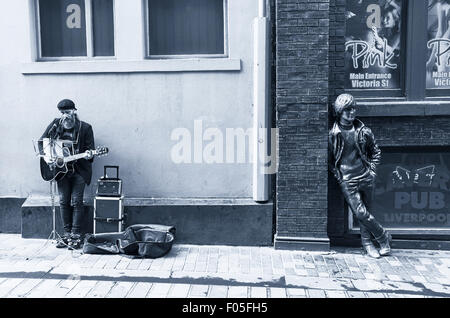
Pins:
x: 131, y: 113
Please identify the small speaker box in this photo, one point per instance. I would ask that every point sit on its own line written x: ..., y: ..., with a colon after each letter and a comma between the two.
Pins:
x: 108, y: 214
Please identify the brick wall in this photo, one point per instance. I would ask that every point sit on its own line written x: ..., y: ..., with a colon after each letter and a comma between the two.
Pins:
x: 389, y: 131
x: 310, y: 59
x: 411, y: 131
x: 336, y: 214
x: 337, y: 48
x: 302, y: 72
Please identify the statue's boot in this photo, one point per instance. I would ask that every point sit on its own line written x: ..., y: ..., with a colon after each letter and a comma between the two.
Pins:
x: 371, y: 250
x: 384, y: 241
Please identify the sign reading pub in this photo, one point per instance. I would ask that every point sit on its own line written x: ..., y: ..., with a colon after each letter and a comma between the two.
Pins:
x: 412, y: 190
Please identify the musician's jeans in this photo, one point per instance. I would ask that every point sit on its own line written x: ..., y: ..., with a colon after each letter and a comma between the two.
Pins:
x: 71, y: 189
x: 358, y: 194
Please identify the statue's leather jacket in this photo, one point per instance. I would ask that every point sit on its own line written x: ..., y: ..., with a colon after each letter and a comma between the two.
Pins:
x: 367, y: 147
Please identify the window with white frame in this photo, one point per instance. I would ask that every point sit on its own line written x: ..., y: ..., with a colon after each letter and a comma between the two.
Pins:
x: 186, y: 27
x: 75, y: 28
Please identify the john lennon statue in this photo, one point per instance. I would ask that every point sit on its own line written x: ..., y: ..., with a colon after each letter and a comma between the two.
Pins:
x: 354, y: 156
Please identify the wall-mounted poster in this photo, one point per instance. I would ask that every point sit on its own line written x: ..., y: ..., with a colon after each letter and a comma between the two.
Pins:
x: 438, y: 62
x: 412, y: 190
x: 373, y: 44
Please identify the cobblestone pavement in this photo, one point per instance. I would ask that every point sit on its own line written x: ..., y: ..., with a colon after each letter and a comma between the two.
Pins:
x: 35, y: 268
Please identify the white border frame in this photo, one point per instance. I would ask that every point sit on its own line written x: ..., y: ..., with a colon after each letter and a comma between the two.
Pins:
x: 89, y: 36
x: 185, y: 56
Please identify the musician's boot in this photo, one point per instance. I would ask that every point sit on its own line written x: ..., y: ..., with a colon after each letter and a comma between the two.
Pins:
x: 75, y: 241
x: 63, y: 241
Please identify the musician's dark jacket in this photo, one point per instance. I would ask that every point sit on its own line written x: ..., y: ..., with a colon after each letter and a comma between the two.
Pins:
x: 85, y: 142
x: 367, y: 147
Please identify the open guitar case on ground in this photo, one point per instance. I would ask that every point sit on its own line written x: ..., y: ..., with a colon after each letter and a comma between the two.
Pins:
x: 143, y: 240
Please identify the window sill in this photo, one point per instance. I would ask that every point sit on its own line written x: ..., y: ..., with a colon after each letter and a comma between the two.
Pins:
x: 145, y: 66
x: 391, y: 108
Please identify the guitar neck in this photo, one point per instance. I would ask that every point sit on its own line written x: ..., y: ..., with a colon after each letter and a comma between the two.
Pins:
x: 76, y: 157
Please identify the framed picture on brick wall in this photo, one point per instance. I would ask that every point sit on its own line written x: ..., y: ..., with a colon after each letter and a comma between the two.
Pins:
x: 374, y: 45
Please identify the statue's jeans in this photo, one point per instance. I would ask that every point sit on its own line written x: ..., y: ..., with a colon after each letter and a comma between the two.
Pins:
x: 358, y: 193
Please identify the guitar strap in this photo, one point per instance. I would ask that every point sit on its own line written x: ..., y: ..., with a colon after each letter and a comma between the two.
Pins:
x: 76, y: 142
x: 77, y: 137
x: 76, y: 145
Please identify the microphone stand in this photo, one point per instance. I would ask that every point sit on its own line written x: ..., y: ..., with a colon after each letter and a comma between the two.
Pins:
x: 54, y: 235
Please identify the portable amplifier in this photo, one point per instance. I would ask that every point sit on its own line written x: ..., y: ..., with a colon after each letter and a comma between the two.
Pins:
x: 109, y: 187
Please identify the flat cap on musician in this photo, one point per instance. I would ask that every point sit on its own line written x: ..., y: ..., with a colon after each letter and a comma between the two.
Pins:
x: 66, y: 104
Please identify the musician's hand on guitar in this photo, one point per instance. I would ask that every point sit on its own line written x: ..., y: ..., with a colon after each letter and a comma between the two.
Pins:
x: 89, y: 154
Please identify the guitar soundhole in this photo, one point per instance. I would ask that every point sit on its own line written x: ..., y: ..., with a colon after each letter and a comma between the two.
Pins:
x: 60, y: 162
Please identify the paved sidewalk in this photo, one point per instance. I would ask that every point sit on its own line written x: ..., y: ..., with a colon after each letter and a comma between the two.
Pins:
x: 29, y: 268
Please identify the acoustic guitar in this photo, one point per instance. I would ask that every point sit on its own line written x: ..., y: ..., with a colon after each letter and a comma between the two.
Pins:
x: 55, y: 168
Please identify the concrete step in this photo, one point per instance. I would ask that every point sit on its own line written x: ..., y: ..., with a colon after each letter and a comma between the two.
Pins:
x: 197, y: 220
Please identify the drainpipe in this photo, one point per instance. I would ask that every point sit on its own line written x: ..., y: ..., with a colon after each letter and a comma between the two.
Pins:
x: 261, y: 103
